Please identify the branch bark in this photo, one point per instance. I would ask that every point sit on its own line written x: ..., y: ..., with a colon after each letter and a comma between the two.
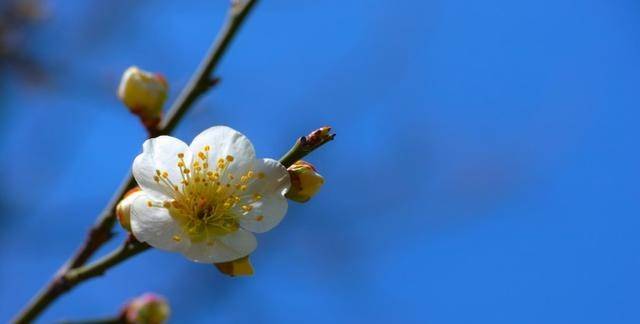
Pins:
x: 201, y: 81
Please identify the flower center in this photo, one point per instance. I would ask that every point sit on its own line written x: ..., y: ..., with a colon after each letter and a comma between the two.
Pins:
x: 208, y: 202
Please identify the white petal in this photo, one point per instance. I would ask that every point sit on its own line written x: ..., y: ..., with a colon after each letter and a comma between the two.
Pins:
x: 276, y: 178
x: 227, y: 248
x: 268, y: 211
x: 160, y: 153
x: 155, y: 226
x: 226, y: 141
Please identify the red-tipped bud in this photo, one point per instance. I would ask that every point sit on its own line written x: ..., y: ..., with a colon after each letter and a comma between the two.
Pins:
x: 318, y: 136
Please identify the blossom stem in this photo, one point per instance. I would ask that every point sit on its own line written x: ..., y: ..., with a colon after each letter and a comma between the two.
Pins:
x: 101, y: 232
x: 106, y: 320
x: 305, y: 145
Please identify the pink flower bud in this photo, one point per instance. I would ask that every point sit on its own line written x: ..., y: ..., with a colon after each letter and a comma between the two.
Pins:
x: 147, y: 309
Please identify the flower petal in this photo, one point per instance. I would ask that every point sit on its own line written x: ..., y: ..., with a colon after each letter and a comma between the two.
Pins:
x: 227, y: 248
x: 160, y: 153
x: 266, y: 214
x: 155, y: 226
x: 271, y: 184
x: 271, y: 177
x: 224, y: 141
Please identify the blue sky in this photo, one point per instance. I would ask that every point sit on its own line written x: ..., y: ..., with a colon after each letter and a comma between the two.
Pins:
x: 485, y: 168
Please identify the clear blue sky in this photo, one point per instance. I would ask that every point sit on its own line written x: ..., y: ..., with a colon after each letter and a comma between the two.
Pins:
x: 485, y: 168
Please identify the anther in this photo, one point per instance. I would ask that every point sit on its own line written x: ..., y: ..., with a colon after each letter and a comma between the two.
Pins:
x: 247, y: 208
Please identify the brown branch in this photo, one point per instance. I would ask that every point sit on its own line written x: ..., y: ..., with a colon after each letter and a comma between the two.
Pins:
x: 201, y: 81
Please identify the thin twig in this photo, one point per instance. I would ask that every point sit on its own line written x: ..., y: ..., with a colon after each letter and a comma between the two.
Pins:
x: 307, y: 144
x: 106, y: 320
x: 128, y: 249
x: 101, y: 232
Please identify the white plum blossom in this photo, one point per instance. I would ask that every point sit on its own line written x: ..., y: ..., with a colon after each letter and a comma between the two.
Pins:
x: 204, y: 200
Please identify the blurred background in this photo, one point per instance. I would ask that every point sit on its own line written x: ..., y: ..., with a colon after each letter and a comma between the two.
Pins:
x: 485, y: 168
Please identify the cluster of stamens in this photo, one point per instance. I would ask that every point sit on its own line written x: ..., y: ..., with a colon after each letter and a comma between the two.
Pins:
x: 204, y: 201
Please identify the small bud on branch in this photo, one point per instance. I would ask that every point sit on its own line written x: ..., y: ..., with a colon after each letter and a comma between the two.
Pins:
x: 305, y: 181
x: 123, y: 209
x: 146, y: 309
x: 144, y: 93
x: 306, y: 144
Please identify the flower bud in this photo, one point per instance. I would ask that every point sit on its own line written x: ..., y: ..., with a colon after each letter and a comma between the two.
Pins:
x: 147, y: 309
x: 318, y: 136
x: 239, y: 267
x: 143, y: 93
x: 305, y: 181
x: 123, y: 209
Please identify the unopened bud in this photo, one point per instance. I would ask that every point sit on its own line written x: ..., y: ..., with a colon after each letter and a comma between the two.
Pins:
x: 147, y: 309
x: 123, y: 209
x: 305, y: 181
x: 318, y: 136
x: 239, y: 267
x: 144, y: 94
